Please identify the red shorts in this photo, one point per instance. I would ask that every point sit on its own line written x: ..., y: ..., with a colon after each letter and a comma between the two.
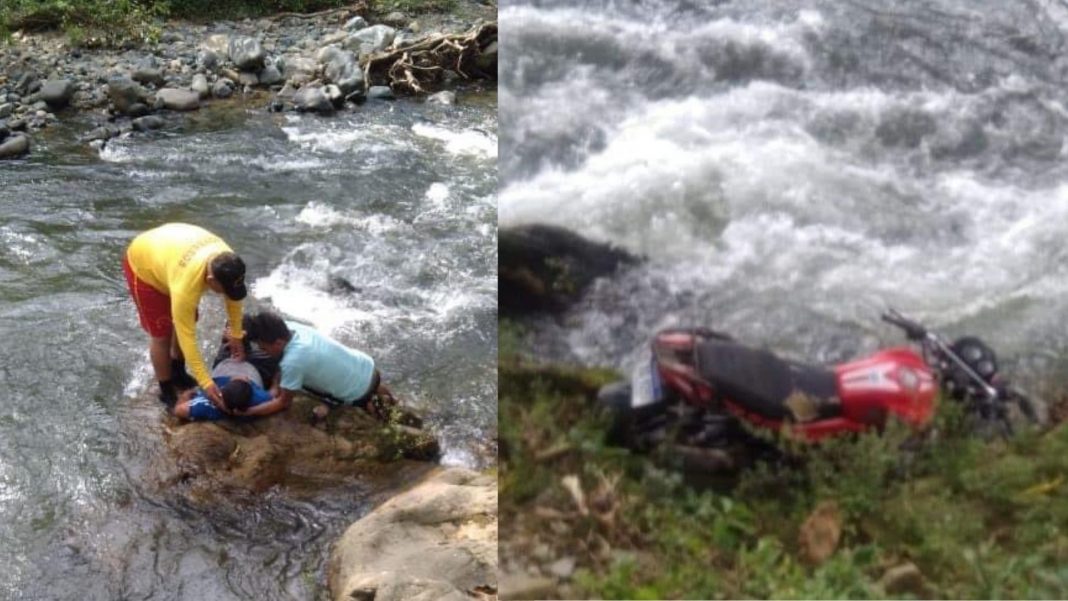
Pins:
x: 153, y: 307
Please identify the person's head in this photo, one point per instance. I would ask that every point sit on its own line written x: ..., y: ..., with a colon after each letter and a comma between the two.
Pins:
x: 237, y: 395
x: 269, y: 330
x: 226, y: 275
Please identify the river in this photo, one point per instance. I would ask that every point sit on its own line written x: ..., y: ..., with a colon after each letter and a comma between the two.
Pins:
x: 790, y: 169
x: 377, y: 226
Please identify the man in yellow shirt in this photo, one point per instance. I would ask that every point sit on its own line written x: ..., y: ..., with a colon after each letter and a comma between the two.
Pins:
x: 168, y: 269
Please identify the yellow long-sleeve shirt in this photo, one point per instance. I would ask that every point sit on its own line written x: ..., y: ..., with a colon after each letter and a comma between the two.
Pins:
x: 173, y: 258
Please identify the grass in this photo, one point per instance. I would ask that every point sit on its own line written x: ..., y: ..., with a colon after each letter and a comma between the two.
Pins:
x: 978, y: 519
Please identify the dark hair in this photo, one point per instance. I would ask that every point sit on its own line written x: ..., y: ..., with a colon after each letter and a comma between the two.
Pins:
x: 266, y: 326
x: 237, y: 394
x: 229, y: 270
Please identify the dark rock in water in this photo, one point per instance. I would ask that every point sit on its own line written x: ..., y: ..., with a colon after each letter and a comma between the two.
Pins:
x: 313, y: 99
x: 17, y: 125
x: 56, y: 93
x: 14, y: 147
x: 124, y: 94
x: 104, y: 132
x: 544, y: 268
x: 138, y: 110
x: 339, y: 285
x: 147, y: 123
x: 380, y: 93
x: 177, y: 100
x: 277, y: 106
x: 486, y: 63
x: 247, y: 53
x: 270, y: 75
x: 223, y: 88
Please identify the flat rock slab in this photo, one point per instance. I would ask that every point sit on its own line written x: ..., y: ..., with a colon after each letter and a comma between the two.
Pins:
x: 178, y: 100
x: 14, y: 147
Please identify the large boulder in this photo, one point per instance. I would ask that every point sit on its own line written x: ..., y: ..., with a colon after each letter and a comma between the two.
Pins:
x: 371, y: 39
x: 57, y: 93
x: 178, y: 100
x: 14, y: 147
x: 247, y: 53
x: 435, y: 541
x: 543, y: 268
x: 291, y: 449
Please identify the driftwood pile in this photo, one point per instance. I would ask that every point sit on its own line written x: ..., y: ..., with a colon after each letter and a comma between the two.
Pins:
x: 416, y: 68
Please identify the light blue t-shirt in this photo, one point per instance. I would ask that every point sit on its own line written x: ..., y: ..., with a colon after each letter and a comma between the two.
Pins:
x: 321, y: 364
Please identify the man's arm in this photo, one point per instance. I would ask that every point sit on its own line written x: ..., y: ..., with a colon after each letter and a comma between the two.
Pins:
x: 183, y: 313
x: 279, y: 402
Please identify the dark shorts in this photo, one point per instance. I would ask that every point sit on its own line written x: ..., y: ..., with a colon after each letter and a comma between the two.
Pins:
x: 376, y: 380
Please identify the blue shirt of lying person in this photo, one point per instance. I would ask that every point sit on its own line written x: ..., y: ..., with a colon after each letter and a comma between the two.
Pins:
x: 238, y: 395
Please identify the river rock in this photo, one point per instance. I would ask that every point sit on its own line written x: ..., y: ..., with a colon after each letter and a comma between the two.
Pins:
x: 341, y: 69
x: 270, y: 75
x: 370, y: 39
x: 200, y: 86
x: 218, y: 43
x: 447, y: 98
x: 543, y: 268
x: 248, y: 79
x: 486, y: 62
x: 177, y: 100
x: 312, y: 99
x: 147, y: 123
x: 299, y: 70
x: 247, y: 53
x: 207, y: 59
x: 395, y: 19
x: 380, y: 93
x: 6, y: 109
x: 223, y: 88
x: 148, y: 72
x: 56, y: 93
x: 125, y: 94
x: 436, y: 541
x: 337, y: 98
x: 287, y: 449
x: 356, y: 23
x: 14, y: 147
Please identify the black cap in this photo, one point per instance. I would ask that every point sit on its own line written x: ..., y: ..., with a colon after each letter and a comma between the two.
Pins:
x: 229, y: 270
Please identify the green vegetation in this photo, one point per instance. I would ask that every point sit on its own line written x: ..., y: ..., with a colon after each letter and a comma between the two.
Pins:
x: 117, y: 22
x: 978, y: 519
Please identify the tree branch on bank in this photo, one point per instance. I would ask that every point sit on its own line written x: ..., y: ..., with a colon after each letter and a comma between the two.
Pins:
x: 416, y: 67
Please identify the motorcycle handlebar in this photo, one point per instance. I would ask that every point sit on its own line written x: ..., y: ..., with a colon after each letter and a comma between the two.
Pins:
x: 913, y: 330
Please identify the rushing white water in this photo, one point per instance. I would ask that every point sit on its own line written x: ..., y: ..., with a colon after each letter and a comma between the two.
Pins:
x: 791, y: 169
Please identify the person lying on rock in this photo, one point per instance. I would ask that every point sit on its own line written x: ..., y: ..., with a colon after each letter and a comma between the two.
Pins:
x: 319, y: 365
x: 238, y: 393
x: 168, y: 269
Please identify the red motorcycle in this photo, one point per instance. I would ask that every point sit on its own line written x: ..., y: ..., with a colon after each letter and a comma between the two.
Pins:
x: 694, y: 388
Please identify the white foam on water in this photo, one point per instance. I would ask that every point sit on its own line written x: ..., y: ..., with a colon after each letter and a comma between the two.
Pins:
x: 301, y: 293
x: 320, y: 215
x: 23, y: 248
x: 467, y: 142
x: 369, y: 139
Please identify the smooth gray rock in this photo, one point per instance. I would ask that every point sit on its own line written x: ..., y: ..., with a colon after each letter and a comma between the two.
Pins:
x: 371, y: 39
x: 342, y: 69
x: 208, y: 59
x: 270, y: 76
x: 223, y: 88
x: 6, y: 109
x: 380, y: 93
x: 200, y: 86
x: 248, y: 79
x: 356, y: 23
x: 124, y: 93
x: 247, y: 53
x: 147, y: 123
x: 299, y: 70
x: 56, y: 93
x: 447, y: 98
x: 337, y: 98
x: 312, y: 99
x: 219, y: 43
x: 395, y: 19
x: 15, y: 146
x: 177, y: 100
x: 148, y: 75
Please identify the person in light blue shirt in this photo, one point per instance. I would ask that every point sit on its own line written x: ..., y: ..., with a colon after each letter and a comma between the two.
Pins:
x: 315, y: 363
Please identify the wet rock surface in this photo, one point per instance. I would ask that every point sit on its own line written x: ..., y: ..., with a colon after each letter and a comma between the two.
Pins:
x: 435, y: 541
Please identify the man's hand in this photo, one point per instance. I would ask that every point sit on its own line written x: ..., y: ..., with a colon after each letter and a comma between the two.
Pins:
x: 215, y: 396
x: 237, y: 346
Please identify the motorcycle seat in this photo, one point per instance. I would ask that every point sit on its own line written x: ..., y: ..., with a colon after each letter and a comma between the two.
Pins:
x: 764, y: 384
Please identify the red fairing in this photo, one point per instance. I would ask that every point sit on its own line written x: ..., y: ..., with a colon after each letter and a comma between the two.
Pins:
x: 894, y: 381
